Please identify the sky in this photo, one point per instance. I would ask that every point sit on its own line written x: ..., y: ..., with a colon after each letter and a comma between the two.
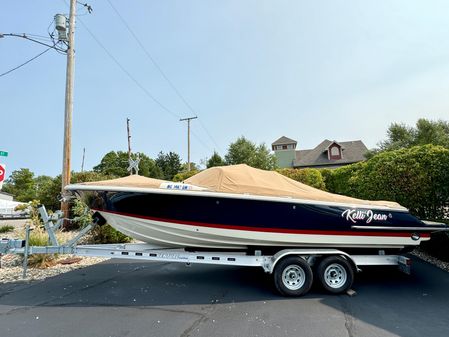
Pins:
x: 308, y: 70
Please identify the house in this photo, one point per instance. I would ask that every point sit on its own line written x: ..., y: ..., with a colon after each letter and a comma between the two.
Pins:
x: 6, y: 196
x: 327, y: 154
x: 8, y: 206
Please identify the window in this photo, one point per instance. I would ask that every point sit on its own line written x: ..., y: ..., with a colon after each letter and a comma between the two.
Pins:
x: 335, y: 151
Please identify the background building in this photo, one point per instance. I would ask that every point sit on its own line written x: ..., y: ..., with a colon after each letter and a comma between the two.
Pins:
x: 327, y: 154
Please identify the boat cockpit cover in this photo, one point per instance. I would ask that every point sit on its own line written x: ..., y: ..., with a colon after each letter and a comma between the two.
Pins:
x: 244, y: 179
x: 129, y: 181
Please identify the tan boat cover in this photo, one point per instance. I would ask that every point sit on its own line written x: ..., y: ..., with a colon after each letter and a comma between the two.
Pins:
x: 129, y: 181
x: 245, y: 179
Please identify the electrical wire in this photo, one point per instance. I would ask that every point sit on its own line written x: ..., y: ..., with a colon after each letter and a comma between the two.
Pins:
x: 158, y: 67
x: 133, y: 79
x: 25, y: 63
x: 136, y: 82
x: 26, y: 37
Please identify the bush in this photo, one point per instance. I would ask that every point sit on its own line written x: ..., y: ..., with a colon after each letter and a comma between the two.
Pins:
x: 107, y: 234
x: 417, y: 178
x: 82, y: 216
x: 308, y: 176
x: 100, y: 234
x: 6, y: 229
x: 342, y: 180
x: 184, y: 175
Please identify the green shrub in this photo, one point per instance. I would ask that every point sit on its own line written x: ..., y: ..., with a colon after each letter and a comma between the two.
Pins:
x: 82, y: 216
x: 107, y: 234
x: 417, y: 178
x: 100, y: 234
x: 184, y: 175
x: 308, y: 176
x: 342, y: 180
x: 6, y: 229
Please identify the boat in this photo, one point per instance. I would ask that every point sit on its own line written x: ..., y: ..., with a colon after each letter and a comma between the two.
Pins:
x: 240, y: 207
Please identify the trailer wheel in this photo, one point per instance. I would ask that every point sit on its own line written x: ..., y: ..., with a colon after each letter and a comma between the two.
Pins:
x: 293, y: 276
x: 335, y: 274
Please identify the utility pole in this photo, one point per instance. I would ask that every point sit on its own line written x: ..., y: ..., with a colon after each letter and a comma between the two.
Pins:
x: 129, y: 139
x: 68, y: 105
x: 188, y: 138
x: 82, y: 163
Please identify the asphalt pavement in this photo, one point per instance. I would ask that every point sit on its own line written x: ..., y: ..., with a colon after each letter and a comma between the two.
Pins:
x: 125, y: 298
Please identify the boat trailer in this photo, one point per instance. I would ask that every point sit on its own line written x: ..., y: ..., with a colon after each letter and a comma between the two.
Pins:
x: 291, y: 268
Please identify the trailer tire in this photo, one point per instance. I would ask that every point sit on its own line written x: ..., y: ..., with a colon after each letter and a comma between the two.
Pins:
x: 336, y: 274
x: 293, y: 276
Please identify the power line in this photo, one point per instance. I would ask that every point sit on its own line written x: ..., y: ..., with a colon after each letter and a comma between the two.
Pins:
x: 27, y: 37
x: 158, y: 67
x: 25, y: 63
x: 132, y: 78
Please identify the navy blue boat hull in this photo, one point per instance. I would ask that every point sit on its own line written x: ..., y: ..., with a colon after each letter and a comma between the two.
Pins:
x: 216, y: 220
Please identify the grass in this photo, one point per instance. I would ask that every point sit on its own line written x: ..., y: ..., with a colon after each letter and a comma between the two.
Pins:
x: 39, y: 237
x: 6, y: 229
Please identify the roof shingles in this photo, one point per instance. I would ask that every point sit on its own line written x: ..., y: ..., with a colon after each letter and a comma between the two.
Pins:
x: 353, y: 151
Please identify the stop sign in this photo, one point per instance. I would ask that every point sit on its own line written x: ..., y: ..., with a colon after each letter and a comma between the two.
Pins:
x: 2, y: 172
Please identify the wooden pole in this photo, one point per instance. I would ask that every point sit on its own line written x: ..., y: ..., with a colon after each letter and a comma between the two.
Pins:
x: 129, y: 141
x: 188, y: 139
x: 82, y: 163
x: 68, y: 106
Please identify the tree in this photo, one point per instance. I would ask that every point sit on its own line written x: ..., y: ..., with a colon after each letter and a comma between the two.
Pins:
x: 215, y: 160
x: 425, y: 132
x: 48, y: 190
x: 21, y: 185
x: 169, y: 164
x: 116, y: 164
x: 185, y: 167
x: 243, y: 151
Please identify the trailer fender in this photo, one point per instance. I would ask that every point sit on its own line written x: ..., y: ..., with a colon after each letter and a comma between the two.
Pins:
x: 307, y: 254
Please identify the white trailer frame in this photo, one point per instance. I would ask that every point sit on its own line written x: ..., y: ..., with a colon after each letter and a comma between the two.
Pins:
x: 148, y: 252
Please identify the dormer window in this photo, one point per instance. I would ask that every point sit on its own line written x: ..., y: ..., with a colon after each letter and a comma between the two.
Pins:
x: 334, y: 151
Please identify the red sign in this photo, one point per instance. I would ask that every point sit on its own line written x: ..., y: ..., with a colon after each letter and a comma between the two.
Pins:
x: 2, y: 172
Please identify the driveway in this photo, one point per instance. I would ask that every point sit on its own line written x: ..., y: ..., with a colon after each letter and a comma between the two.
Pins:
x: 124, y: 298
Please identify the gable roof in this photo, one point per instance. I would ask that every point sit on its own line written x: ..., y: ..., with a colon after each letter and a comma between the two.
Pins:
x: 353, y: 151
x: 283, y: 141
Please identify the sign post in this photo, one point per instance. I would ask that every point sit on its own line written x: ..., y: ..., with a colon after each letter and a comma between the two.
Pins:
x: 2, y: 174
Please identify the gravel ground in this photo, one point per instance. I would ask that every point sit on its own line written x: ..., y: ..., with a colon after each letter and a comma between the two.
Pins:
x: 11, y: 264
x: 426, y: 257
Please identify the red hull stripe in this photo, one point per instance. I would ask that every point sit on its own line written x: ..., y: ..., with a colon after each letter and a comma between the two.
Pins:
x: 270, y: 230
